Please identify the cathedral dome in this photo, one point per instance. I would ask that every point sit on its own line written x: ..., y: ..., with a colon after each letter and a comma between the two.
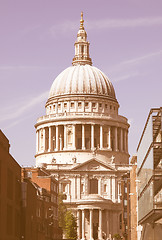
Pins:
x: 82, y: 80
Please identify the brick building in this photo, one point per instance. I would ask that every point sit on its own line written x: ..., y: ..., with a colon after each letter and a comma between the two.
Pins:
x: 28, y: 200
x: 10, y: 193
x: 44, y: 204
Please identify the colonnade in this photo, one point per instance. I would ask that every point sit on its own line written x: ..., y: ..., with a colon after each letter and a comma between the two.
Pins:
x: 56, y: 138
x: 81, y: 223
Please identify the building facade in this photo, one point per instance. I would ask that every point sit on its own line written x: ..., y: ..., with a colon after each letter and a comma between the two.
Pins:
x: 39, y: 205
x: 10, y: 193
x: 149, y: 163
x: 83, y: 141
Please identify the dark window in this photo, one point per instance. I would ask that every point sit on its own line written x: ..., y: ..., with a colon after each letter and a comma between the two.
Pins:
x: 72, y: 105
x: 93, y: 105
x: 86, y: 104
x: 79, y: 104
x: 10, y: 184
x: 93, y: 186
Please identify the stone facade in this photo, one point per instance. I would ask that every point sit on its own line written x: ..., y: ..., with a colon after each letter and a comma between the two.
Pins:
x: 83, y: 141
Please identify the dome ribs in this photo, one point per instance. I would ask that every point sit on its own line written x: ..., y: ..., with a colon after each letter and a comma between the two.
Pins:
x: 87, y: 81
x: 82, y: 79
x: 93, y: 86
x: 74, y: 81
x: 99, y: 82
x: 68, y: 81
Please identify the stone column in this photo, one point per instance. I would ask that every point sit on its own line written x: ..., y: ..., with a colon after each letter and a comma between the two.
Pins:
x: 83, y: 137
x: 121, y: 139
x: 100, y: 225
x: 92, y: 136
x: 37, y: 141
x: 118, y: 192
x: 107, y: 223
x: 113, y: 188
x: 116, y: 189
x: 50, y: 135
x: 99, y: 186
x: 83, y: 224
x: 74, y: 147
x: 91, y: 224
x: 101, y: 136
x: 65, y: 137
x: 125, y: 135
x: 57, y: 138
x: 78, y: 224
x: 68, y: 188
x: 86, y: 185
x: 110, y: 187
x: 78, y: 187
x: 60, y: 140
x: 109, y: 141
x: 44, y: 139
x: 116, y: 138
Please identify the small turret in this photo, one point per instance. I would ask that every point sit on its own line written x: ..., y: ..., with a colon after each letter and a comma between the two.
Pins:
x: 82, y: 46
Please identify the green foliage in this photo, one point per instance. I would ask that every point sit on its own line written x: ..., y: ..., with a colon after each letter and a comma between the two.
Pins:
x: 70, y: 226
x: 61, y: 210
x: 117, y: 236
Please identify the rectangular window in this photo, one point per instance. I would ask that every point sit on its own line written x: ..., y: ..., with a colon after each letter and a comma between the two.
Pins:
x: 93, y: 105
x: 93, y: 186
x: 100, y: 105
x: 72, y: 105
x: 65, y: 105
x: 59, y: 105
x: 64, y: 187
x: 86, y: 104
x: 79, y: 104
x: 105, y: 105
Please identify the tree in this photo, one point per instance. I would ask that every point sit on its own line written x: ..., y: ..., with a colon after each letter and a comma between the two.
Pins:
x: 61, y: 211
x: 70, y: 226
x: 117, y: 236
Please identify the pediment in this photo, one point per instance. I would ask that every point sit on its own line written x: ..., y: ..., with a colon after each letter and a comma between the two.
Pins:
x: 94, y: 165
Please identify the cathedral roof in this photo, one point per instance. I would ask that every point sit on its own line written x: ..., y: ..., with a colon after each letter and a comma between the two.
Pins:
x: 82, y: 78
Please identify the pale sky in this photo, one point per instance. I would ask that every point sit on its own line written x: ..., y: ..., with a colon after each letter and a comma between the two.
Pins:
x: 37, y: 43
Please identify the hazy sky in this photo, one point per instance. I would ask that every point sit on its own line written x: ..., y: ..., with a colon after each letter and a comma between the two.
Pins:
x: 37, y: 43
